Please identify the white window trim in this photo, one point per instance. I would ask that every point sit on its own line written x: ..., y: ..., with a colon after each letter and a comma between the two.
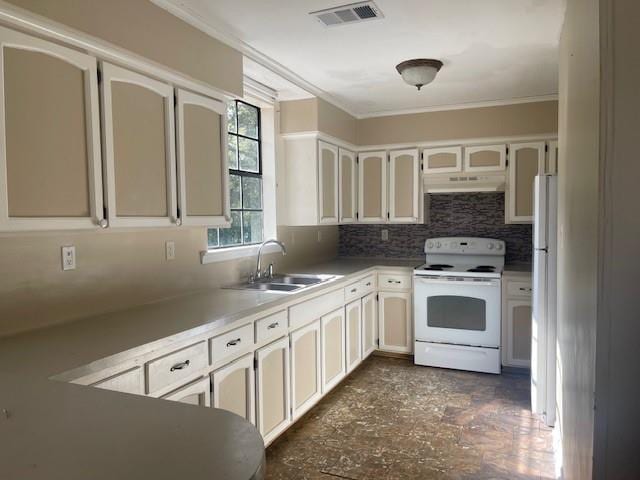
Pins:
x: 268, y: 135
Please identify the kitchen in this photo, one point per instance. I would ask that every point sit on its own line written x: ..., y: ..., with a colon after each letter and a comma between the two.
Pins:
x: 268, y: 271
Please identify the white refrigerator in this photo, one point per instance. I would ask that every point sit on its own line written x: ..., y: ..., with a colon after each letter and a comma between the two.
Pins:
x: 543, y: 321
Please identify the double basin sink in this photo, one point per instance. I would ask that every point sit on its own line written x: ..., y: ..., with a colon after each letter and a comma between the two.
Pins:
x: 283, y: 283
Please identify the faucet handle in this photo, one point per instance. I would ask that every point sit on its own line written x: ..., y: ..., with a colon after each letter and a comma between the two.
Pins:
x: 268, y: 272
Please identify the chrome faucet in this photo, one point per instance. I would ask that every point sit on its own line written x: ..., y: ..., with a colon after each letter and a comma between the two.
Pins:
x: 259, y: 273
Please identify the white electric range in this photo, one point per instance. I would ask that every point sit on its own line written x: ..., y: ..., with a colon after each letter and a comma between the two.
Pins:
x: 457, y: 304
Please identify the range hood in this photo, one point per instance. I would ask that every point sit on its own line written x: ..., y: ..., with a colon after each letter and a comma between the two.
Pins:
x: 464, y: 182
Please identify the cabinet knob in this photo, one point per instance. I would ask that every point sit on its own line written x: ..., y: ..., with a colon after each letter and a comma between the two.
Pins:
x: 103, y: 223
x: 178, y: 221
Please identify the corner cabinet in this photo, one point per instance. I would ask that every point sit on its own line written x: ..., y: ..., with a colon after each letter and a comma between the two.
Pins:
x: 348, y: 181
x: 139, y: 149
x: 306, y: 378
x: 203, y: 173
x: 234, y: 388
x: 395, y: 322
x: 526, y: 160
x: 404, y: 186
x: 372, y: 187
x: 50, y: 158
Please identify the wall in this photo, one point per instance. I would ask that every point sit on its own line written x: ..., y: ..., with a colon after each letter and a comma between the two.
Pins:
x: 147, y: 30
x: 475, y: 215
x: 501, y: 121
x: 336, y: 122
x: 578, y: 190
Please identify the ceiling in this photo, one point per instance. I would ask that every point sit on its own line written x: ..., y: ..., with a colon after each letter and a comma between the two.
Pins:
x: 493, y: 50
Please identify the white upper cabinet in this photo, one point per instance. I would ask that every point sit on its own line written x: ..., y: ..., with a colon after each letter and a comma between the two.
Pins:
x: 348, y: 181
x: 404, y: 186
x: 442, y: 160
x: 551, y: 165
x: 485, y: 158
x: 203, y: 174
x: 526, y: 160
x: 372, y: 187
x: 50, y: 175
x: 328, y: 182
x: 139, y: 149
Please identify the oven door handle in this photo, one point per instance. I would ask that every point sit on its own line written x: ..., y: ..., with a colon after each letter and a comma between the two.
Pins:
x: 463, y: 281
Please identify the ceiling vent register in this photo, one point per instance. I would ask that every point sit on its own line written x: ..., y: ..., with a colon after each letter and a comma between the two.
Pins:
x: 346, y: 14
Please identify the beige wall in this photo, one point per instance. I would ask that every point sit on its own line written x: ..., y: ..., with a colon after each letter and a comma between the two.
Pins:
x: 336, y: 122
x: 149, y: 31
x: 501, y: 121
x: 120, y: 269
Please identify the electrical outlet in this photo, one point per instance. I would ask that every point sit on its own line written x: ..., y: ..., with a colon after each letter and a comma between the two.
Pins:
x: 319, y: 236
x: 69, y: 257
x: 170, y: 248
x: 385, y: 235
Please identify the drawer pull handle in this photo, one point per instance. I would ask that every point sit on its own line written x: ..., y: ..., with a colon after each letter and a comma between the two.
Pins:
x: 354, y: 290
x: 525, y: 289
x: 180, y: 366
x: 368, y: 284
x: 394, y: 281
x: 233, y: 343
x: 273, y: 325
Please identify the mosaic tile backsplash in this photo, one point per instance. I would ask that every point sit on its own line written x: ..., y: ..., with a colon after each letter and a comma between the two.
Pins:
x: 450, y: 215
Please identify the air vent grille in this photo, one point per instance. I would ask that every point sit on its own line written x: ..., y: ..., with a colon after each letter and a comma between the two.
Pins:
x: 346, y: 14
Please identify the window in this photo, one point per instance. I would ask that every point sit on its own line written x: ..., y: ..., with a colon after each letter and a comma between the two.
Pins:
x: 245, y: 179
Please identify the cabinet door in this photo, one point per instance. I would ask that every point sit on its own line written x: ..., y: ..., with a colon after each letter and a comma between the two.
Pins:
x: 369, y: 324
x: 50, y: 170
x: 272, y: 389
x: 526, y: 160
x: 518, y: 333
x: 139, y: 149
x: 306, y: 381
x: 551, y: 166
x: 395, y: 321
x: 196, y: 393
x: 404, y: 186
x: 348, y: 176
x: 328, y: 182
x: 333, y: 349
x: 485, y: 158
x: 234, y: 388
x: 442, y: 160
x: 203, y: 173
x: 372, y: 187
x: 129, y: 381
x: 353, y: 314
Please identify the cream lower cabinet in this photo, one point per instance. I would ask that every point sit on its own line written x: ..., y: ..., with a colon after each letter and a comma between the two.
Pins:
x: 129, y: 381
x: 306, y: 368
x: 272, y: 389
x: 516, y: 321
x: 196, y: 393
x: 395, y: 322
x: 333, y: 349
x: 353, y: 329
x: 234, y: 388
x: 369, y: 324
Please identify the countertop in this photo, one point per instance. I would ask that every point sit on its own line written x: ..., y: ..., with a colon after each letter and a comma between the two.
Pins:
x: 53, y: 429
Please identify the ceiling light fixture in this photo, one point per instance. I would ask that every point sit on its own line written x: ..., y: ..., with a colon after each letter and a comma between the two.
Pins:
x: 419, y: 71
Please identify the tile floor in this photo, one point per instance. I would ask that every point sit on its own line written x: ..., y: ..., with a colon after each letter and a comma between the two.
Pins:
x: 393, y: 420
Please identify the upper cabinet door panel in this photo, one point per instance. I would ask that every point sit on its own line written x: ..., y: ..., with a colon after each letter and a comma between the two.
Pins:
x: 404, y: 167
x: 203, y: 175
x: 372, y: 187
x: 50, y: 176
x: 348, y: 186
x: 485, y: 158
x: 139, y: 149
x: 526, y: 160
x: 328, y: 182
x: 442, y: 160
x: 551, y: 166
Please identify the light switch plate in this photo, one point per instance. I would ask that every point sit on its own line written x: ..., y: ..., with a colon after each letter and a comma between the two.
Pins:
x: 68, y: 257
x: 385, y: 235
x: 170, y: 248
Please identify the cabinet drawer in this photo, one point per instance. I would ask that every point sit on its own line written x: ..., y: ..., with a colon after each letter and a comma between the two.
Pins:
x: 230, y: 343
x: 129, y: 381
x: 519, y: 289
x: 352, y: 291
x: 390, y: 281
x: 368, y: 284
x: 272, y: 326
x: 305, y: 312
x: 175, y: 366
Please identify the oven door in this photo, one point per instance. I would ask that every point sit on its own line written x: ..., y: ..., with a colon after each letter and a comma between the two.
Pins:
x: 459, y: 310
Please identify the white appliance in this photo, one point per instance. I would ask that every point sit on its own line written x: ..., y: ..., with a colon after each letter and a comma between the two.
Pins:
x: 543, y: 321
x: 464, y: 182
x: 457, y: 304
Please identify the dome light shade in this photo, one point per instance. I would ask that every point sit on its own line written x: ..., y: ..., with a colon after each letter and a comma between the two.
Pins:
x: 419, y: 71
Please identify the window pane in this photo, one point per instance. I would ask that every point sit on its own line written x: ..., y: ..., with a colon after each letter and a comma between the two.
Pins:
x: 231, y: 117
x: 232, y: 152
x: 233, y: 234
x: 247, y: 120
x: 252, y: 224
x: 236, y: 192
x: 248, y: 150
x: 212, y: 237
x: 251, y: 192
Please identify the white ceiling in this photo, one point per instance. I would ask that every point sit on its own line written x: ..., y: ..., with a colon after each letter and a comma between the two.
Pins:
x: 493, y: 50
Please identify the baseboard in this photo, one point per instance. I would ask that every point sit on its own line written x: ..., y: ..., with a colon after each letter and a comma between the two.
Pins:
x: 406, y: 356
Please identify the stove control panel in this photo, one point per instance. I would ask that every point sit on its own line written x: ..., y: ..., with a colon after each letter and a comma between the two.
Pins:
x: 465, y: 245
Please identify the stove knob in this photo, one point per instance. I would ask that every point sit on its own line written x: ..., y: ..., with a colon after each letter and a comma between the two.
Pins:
x: 490, y: 246
x: 438, y: 244
x: 429, y: 244
x: 499, y: 247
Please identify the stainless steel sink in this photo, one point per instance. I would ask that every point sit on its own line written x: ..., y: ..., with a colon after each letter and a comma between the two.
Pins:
x: 284, y: 283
